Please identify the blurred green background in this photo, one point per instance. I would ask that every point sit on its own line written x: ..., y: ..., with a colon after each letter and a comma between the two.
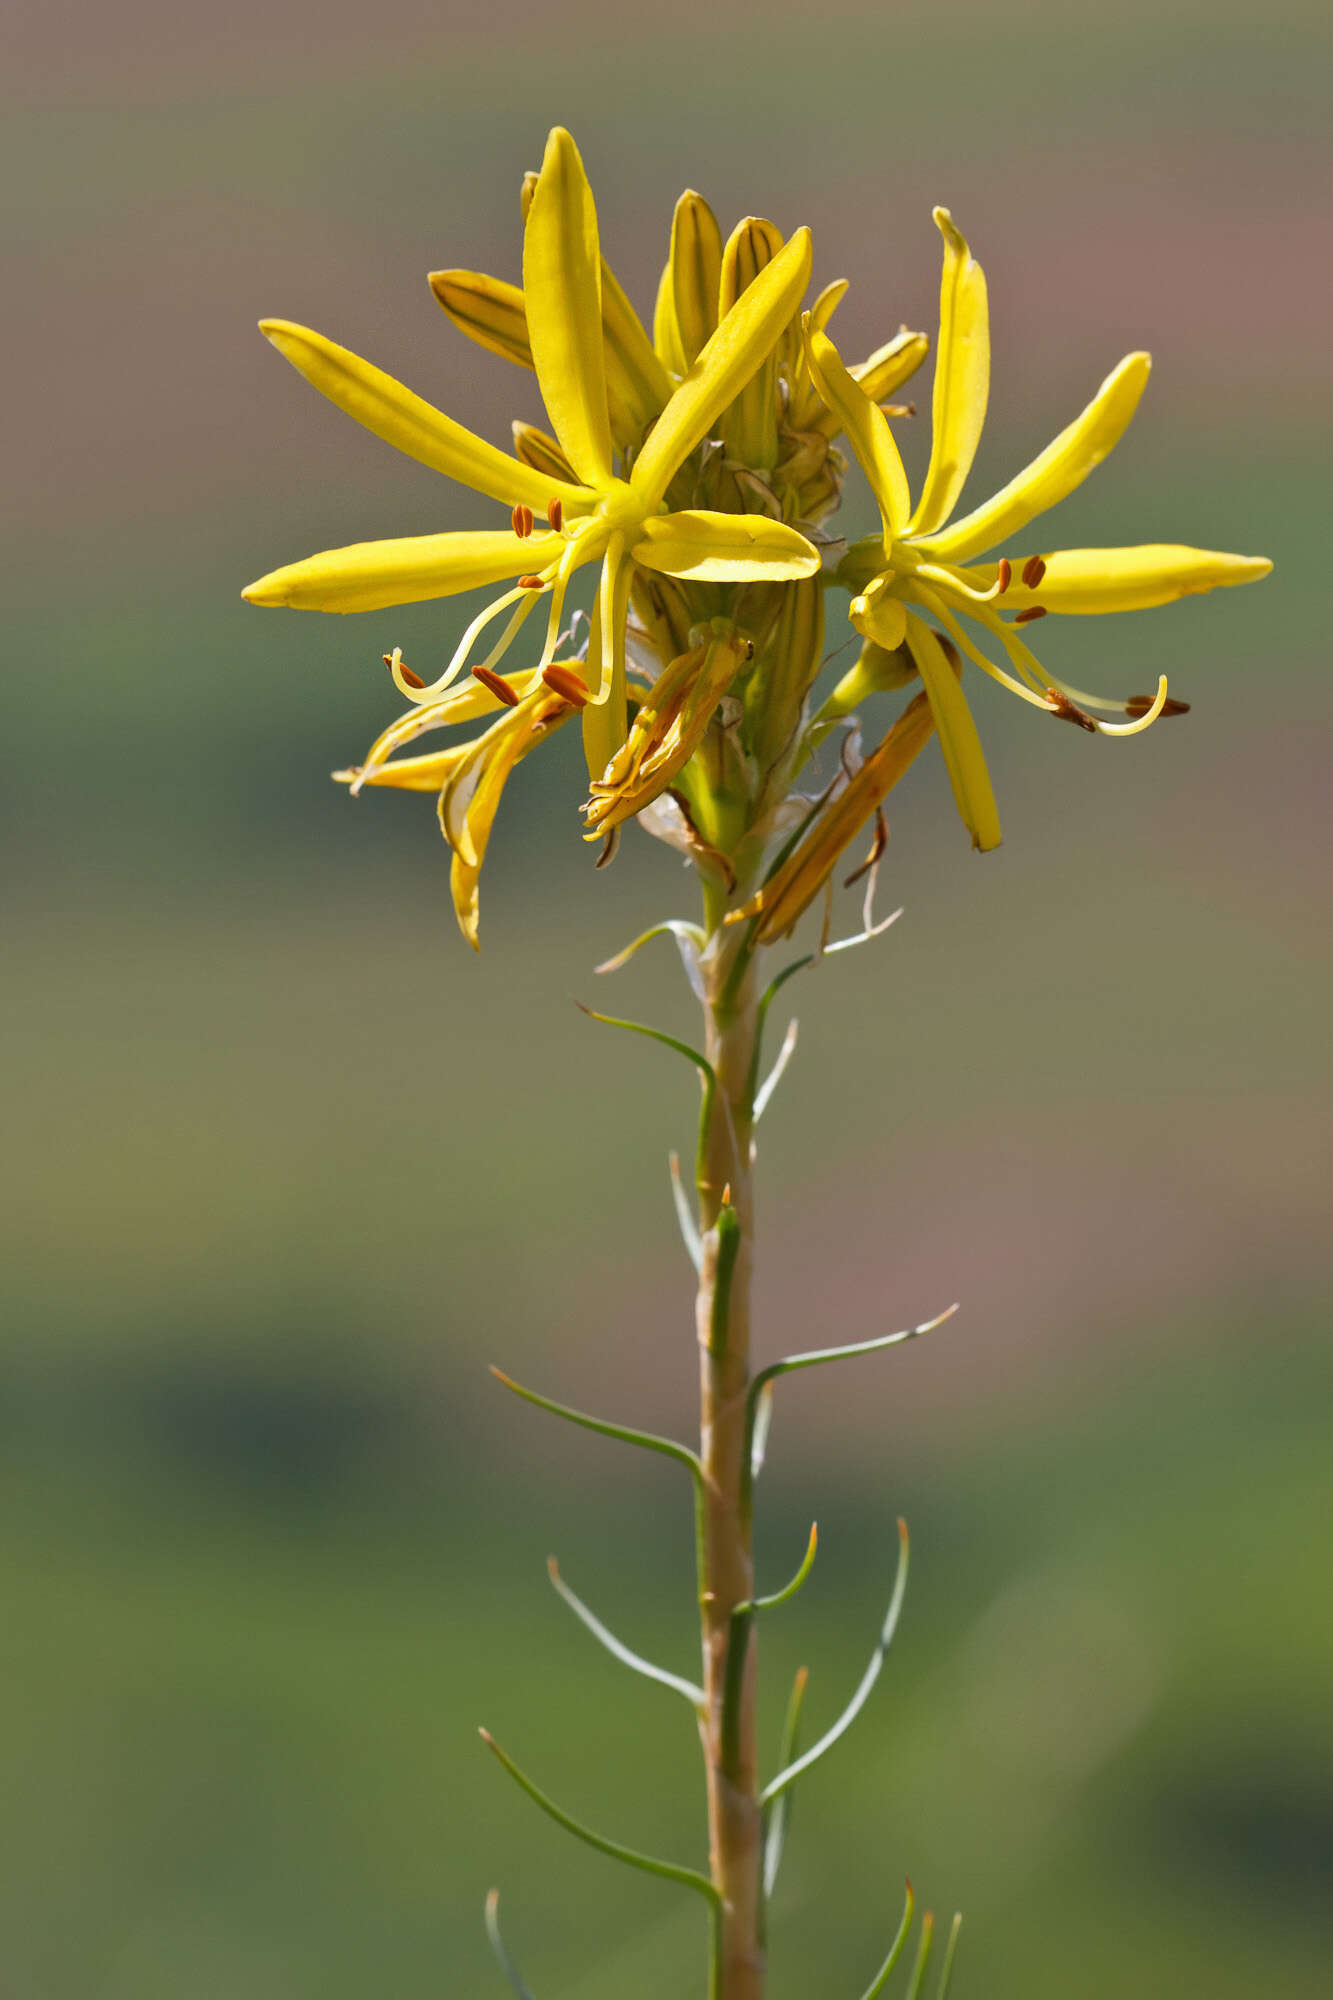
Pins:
x: 286, y: 1166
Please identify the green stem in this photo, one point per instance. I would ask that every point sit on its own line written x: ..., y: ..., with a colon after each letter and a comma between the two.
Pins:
x: 726, y: 1578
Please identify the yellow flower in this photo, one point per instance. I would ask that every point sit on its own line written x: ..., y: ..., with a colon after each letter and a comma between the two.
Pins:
x: 921, y: 561
x: 598, y: 515
x: 470, y: 777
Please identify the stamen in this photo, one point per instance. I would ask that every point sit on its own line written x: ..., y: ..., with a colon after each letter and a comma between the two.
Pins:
x: 898, y: 409
x: 497, y: 685
x: 1033, y: 612
x: 555, y: 514
x: 1139, y: 704
x: 532, y: 583
x: 1069, y: 711
x: 395, y: 660
x: 1005, y: 576
x: 571, y: 687
x: 1034, y: 569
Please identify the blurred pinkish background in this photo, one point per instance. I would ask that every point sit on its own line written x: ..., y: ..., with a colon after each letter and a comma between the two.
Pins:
x: 287, y: 1166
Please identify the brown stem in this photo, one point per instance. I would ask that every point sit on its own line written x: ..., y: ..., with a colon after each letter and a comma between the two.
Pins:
x: 727, y: 1571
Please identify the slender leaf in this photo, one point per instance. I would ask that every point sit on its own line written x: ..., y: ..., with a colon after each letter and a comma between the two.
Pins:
x: 785, y: 1595
x: 700, y: 1062
x: 689, y: 1228
x: 505, y: 1962
x: 918, y: 1979
x: 762, y: 1382
x: 647, y: 1440
x: 670, y: 1871
x: 763, y: 1095
x: 694, y: 1695
x: 690, y: 942
x: 882, y: 1977
x: 946, y: 1970
x: 862, y: 1695
x: 777, y: 1817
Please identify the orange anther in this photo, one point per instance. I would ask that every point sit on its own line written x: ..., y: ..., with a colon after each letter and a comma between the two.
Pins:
x: 568, y: 684
x: 531, y: 583
x: 405, y: 673
x: 496, y: 684
x: 1034, y: 569
x: 1069, y: 711
x: 1033, y: 611
x: 1139, y: 704
x: 555, y: 514
x: 1006, y: 574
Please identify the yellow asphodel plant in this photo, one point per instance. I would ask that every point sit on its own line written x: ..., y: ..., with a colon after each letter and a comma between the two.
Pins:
x: 695, y: 471
x: 924, y: 562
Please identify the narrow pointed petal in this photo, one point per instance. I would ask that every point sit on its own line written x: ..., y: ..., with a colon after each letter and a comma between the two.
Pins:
x: 410, y: 570
x: 962, y: 378
x: 562, y: 289
x: 1086, y: 581
x: 745, y: 336
x: 958, y: 737
x: 463, y: 703
x: 890, y: 366
x: 539, y: 449
x: 410, y: 424
x: 867, y: 430
x: 1054, y: 473
x: 696, y: 274
x: 605, y: 719
x: 666, y: 333
x: 794, y: 886
x: 750, y: 424
x: 638, y: 387
x: 716, y: 548
x: 410, y: 774
x: 487, y: 310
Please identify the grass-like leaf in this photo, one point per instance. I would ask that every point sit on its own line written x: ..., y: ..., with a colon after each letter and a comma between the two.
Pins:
x: 777, y: 1818
x: 505, y: 1962
x: 918, y: 1978
x: 882, y: 1977
x: 946, y: 1970
x: 646, y: 1440
x: 648, y: 1864
x: 689, y: 1228
x: 693, y: 1695
x: 858, y: 1701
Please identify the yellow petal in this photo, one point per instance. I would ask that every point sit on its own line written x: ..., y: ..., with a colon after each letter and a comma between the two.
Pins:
x: 666, y: 333
x: 877, y: 614
x: 463, y: 703
x: 562, y: 289
x: 889, y: 366
x: 750, y: 423
x: 696, y: 273
x: 409, y: 774
x: 539, y: 449
x: 720, y: 548
x: 471, y: 798
x: 409, y: 424
x: 487, y: 310
x: 748, y: 333
x: 605, y: 719
x: 1055, y: 472
x: 805, y: 409
x: 962, y: 378
x: 638, y: 387
x: 370, y: 575
x: 794, y: 886
x: 958, y: 737
x: 867, y: 430
x: 1135, y: 579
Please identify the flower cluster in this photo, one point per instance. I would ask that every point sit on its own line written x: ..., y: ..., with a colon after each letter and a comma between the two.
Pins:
x: 692, y: 470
